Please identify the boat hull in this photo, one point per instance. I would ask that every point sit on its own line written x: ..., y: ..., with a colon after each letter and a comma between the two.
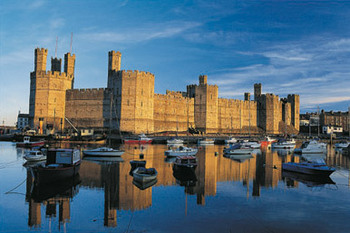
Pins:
x: 103, y: 153
x: 46, y: 175
x: 30, y: 144
x: 139, y: 177
x: 135, y: 141
x: 293, y: 167
x: 239, y: 151
x: 34, y: 158
x: 179, y: 154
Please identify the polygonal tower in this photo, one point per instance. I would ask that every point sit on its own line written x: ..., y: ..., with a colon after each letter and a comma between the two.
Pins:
x: 48, y: 91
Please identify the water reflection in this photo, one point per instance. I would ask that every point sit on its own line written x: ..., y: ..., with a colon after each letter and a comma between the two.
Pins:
x: 256, y: 172
x: 311, y: 181
x: 50, y: 195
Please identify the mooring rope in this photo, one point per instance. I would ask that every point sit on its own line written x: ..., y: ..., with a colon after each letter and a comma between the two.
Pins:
x: 16, y: 186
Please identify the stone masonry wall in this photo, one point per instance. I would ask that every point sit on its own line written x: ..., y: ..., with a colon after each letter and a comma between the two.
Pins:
x: 88, y: 107
x: 173, y: 112
x: 134, y: 92
x: 237, y: 116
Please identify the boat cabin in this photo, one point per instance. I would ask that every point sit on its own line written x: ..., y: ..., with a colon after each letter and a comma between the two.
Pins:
x: 63, y: 156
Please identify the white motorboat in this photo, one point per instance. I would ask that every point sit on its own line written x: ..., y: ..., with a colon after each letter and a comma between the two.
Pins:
x: 238, y: 149
x: 231, y: 140
x: 181, y: 151
x: 312, y: 147
x: 206, y: 141
x: 284, y: 144
x: 252, y: 144
x: 34, y: 156
x: 103, y: 152
x: 342, y: 144
x: 175, y: 141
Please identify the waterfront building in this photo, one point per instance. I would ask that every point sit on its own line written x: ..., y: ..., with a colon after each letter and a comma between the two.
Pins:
x: 22, y: 121
x: 129, y: 104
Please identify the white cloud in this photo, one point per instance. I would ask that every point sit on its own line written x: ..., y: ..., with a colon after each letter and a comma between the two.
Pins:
x: 319, y: 72
x: 144, y: 33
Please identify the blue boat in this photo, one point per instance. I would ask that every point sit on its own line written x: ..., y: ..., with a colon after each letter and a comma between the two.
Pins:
x: 310, y: 168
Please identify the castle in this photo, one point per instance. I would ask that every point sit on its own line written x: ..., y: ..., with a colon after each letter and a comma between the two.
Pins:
x: 129, y: 103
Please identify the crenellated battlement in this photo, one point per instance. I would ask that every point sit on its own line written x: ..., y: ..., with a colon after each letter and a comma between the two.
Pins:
x: 52, y: 74
x: 135, y: 72
x: 87, y: 93
x: 172, y: 95
x: 234, y: 102
x: 41, y: 50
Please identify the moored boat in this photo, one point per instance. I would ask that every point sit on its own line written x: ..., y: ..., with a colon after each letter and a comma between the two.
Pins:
x: 312, y: 147
x: 231, y: 140
x: 206, y: 141
x: 342, y: 144
x: 310, y: 168
x: 60, y: 164
x: 175, y: 141
x: 34, y: 156
x: 185, y: 162
x: 267, y: 141
x: 181, y: 151
x: 104, y: 152
x: 142, y: 139
x: 27, y: 143
x: 284, y: 144
x: 238, y: 149
x: 144, y: 185
x: 142, y: 174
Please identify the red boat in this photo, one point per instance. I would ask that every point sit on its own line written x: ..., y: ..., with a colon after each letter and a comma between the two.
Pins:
x: 142, y: 139
x: 61, y: 164
x: 267, y: 141
x: 27, y: 143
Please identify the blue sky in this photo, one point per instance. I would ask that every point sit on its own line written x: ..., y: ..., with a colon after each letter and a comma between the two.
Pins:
x: 300, y: 47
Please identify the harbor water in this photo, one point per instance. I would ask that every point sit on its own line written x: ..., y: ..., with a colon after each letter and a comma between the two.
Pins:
x: 223, y: 194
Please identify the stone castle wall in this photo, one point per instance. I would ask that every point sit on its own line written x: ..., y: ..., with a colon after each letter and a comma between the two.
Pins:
x: 88, y: 107
x: 173, y: 112
x: 237, y: 116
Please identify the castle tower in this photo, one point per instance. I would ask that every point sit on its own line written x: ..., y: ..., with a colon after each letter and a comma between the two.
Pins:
x: 48, y: 91
x: 69, y: 66
x: 257, y: 91
x: 114, y: 60
x: 56, y: 64
x: 206, y: 106
x: 294, y: 101
x: 40, y: 59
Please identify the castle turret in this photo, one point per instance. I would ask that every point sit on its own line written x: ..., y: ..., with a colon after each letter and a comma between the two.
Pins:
x: 203, y: 79
x: 114, y: 60
x: 206, y: 106
x: 56, y: 64
x: 294, y: 101
x: 40, y: 59
x: 69, y: 65
x: 257, y: 91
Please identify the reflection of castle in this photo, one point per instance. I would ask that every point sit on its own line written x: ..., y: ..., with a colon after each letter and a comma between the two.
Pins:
x: 138, y: 109
x: 51, y: 196
x: 120, y: 192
